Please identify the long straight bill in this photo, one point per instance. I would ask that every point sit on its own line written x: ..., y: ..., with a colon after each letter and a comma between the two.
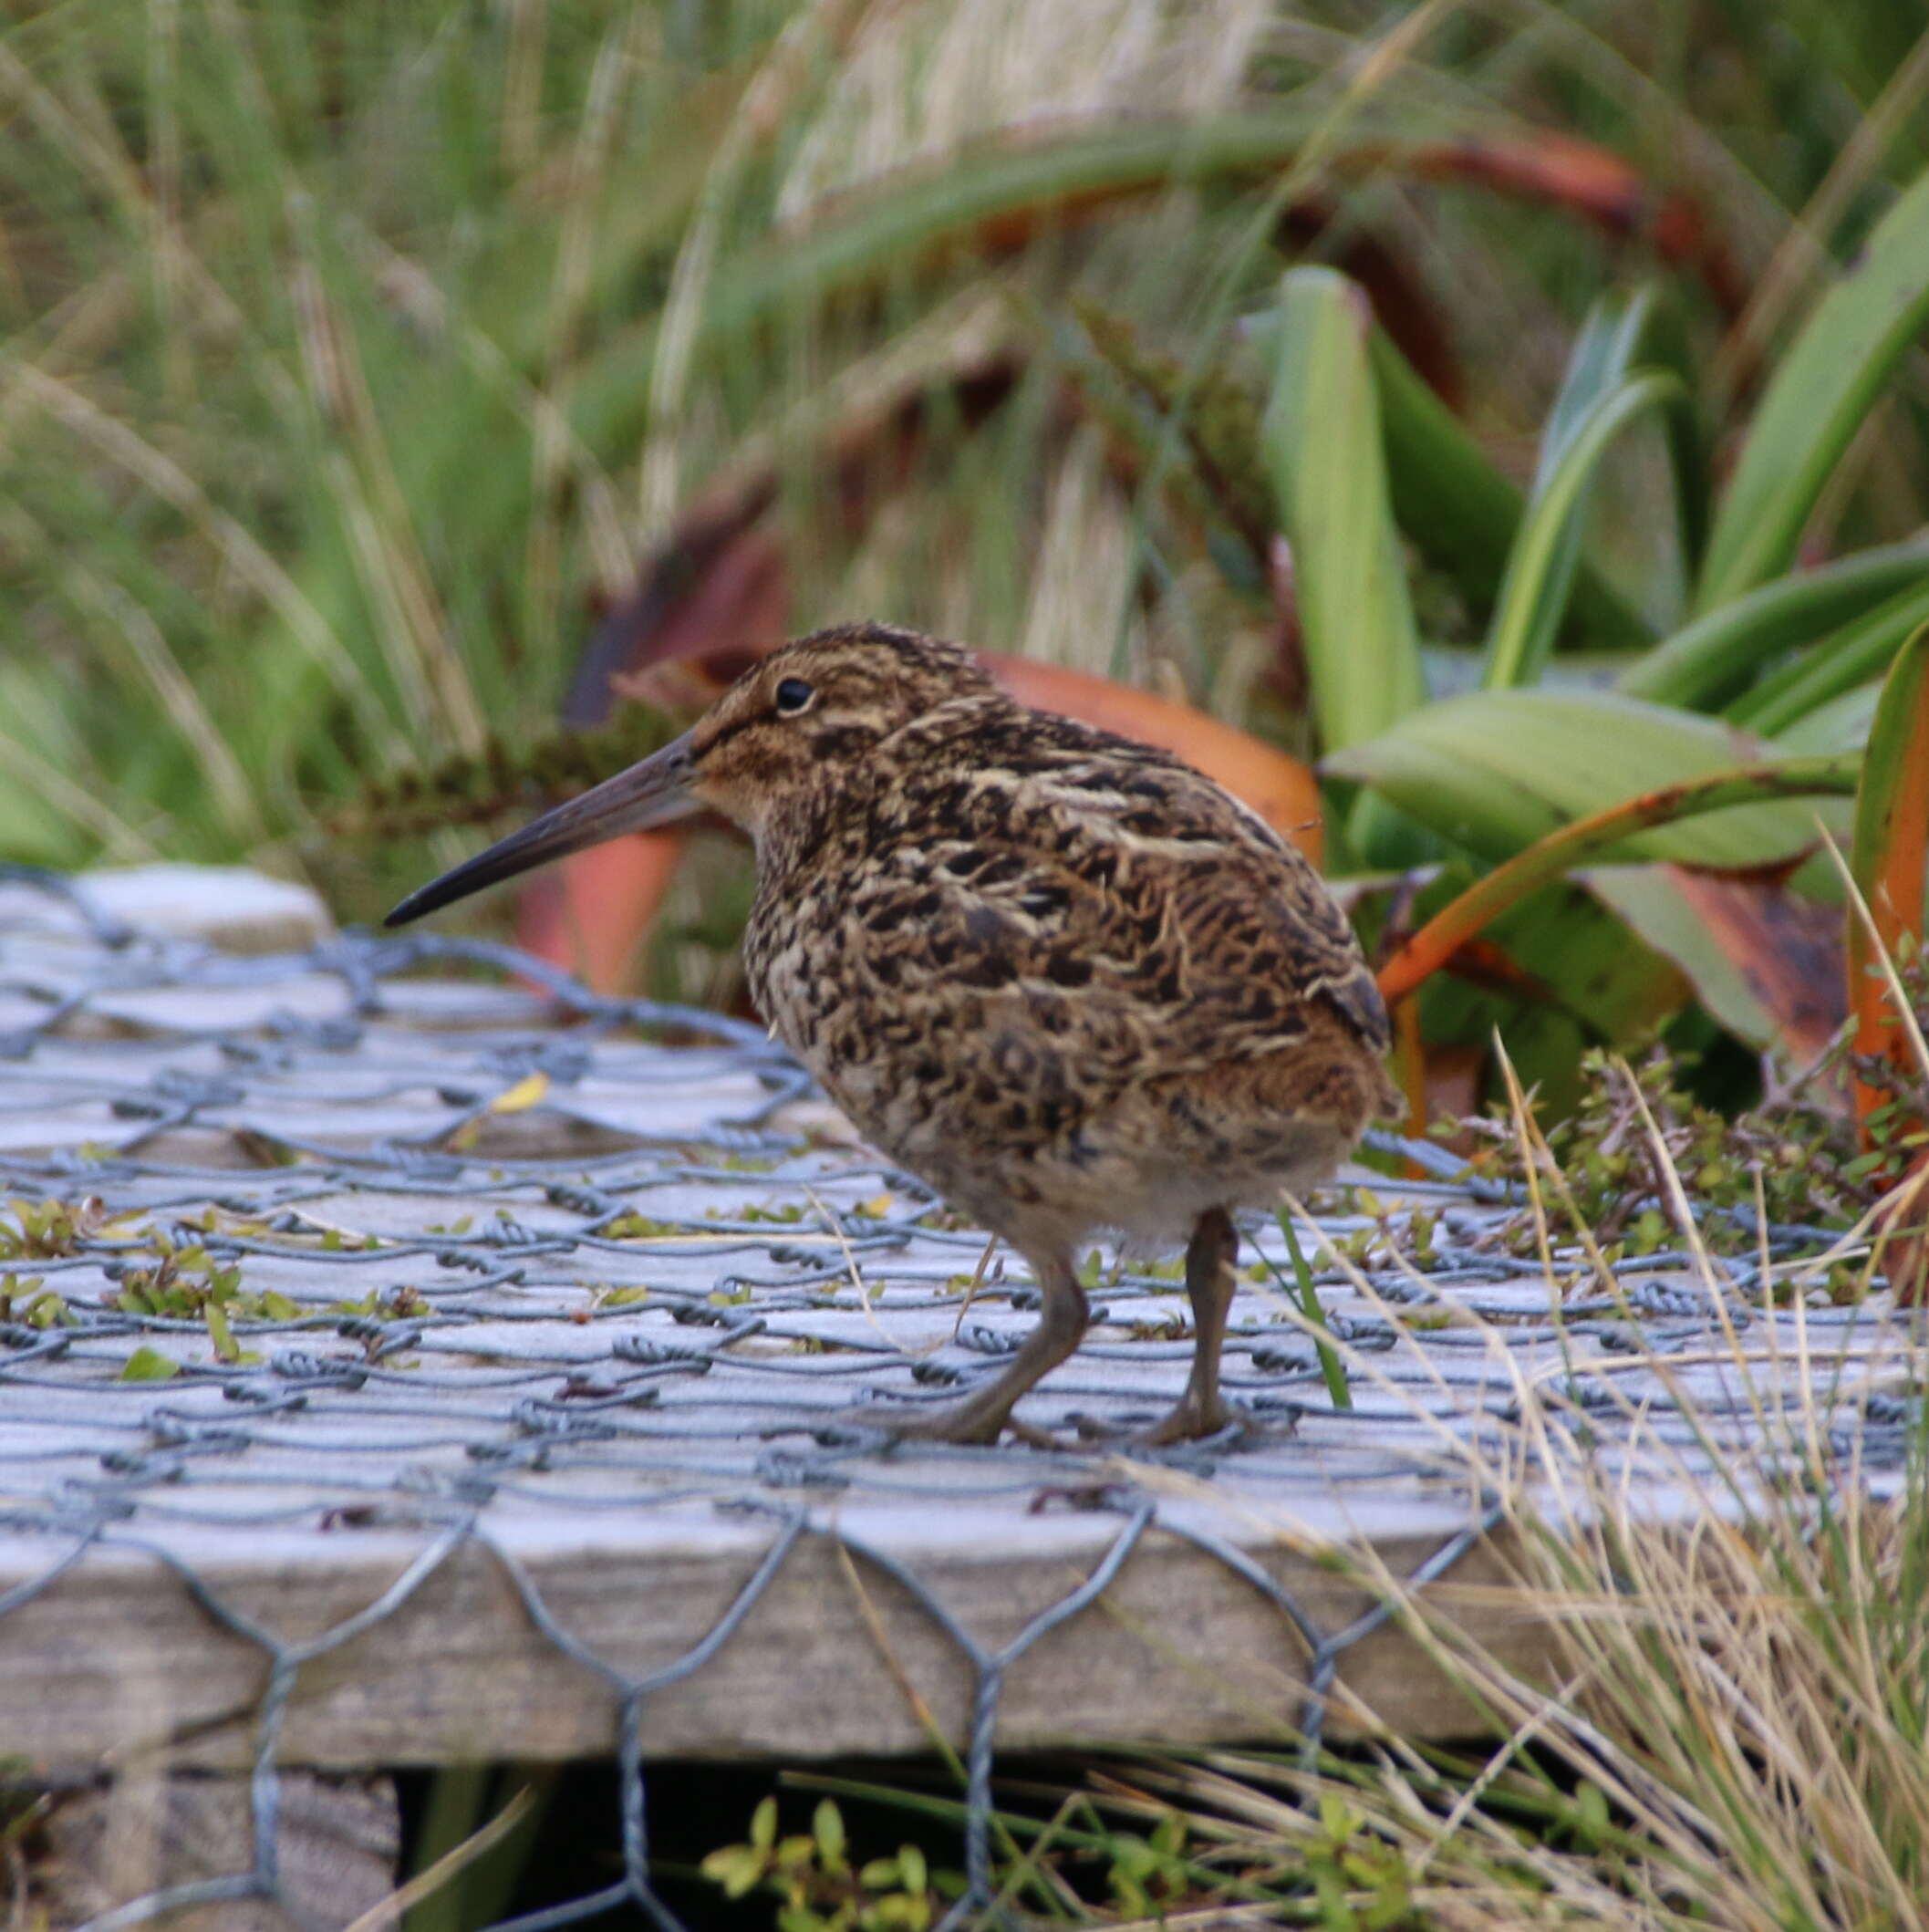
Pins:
x: 654, y: 792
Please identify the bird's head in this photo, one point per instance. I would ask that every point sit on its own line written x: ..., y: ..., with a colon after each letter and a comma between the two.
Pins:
x: 800, y: 722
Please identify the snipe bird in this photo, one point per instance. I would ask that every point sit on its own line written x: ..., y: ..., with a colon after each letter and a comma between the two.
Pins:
x: 1062, y: 977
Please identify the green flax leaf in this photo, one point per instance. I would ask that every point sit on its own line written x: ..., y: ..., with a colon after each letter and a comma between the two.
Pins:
x: 1818, y: 398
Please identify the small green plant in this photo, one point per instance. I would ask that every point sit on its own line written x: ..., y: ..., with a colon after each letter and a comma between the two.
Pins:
x: 820, y: 1890
x: 26, y: 1299
x: 607, y: 1297
x: 185, y: 1283
x: 641, y: 1228
x: 385, y: 1304
x: 149, y: 1364
x: 333, y: 1241
x: 44, y: 1230
x: 1796, y: 1159
x: 1148, y: 1875
x: 1359, y: 1879
x: 1391, y: 1238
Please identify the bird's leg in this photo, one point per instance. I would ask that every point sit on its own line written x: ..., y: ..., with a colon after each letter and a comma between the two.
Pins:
x: 981, y: 1415
x: 1210, y: 1284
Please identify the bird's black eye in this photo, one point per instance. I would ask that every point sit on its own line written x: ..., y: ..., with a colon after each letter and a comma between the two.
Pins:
x: 792, y: 694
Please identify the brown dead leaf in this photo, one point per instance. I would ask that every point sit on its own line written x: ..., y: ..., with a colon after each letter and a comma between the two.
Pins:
x: 1787, y: 950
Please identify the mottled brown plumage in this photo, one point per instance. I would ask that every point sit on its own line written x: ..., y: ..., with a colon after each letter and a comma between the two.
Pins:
x: 1061, y: 976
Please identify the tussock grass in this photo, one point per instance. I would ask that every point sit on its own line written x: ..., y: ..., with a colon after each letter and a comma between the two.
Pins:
x: 1736, y: 1738
x: 1733, y: 1729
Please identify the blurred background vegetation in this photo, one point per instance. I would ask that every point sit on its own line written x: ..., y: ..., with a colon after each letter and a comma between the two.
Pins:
x: 1518, y: 409
x: 379, y: 379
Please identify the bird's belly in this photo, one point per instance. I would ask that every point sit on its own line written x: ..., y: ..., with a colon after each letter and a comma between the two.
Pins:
x: 1048, y: 1114
x: 1127, y: 1163
x: 1028, y: 1140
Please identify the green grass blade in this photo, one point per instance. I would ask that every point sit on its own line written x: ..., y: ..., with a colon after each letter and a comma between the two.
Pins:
x: 1665, y: 345
x: 1703, y: 664
x: 1545, y: 553
x: 1601, y: 360
x: 1860, y: 651
x: 1323, y: 449
x: 1543, y: 558
x: 1324, y: 454
x: 1461, y: 513
x: 1841, y: 724
x: 1331, y: 1366
x: 1496, y: 771
x: 1818, y: 398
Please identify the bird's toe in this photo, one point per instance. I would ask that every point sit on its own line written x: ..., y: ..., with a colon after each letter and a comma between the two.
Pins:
x: 964, y: 1421
x: 1190, y: 1418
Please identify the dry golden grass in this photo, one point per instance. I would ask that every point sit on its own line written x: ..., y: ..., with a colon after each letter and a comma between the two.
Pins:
x: 1735, y: 1730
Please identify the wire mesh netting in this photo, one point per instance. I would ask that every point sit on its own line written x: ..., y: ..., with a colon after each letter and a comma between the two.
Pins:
x: 335, y: 1283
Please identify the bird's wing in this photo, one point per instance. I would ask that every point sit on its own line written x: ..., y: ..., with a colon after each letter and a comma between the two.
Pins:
x: 1123, y: 903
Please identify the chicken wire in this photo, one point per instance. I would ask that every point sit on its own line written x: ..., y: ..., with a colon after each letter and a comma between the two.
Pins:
x: 485, y: 1249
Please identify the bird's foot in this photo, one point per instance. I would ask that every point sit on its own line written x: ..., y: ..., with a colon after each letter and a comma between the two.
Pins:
x: 1190, y: 1417
x: 962, y: 1421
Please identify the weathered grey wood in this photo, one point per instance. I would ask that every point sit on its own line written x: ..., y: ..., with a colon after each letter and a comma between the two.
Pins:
x: 230, y: 907
x: 152, y: 1827
x: 113, y: 1661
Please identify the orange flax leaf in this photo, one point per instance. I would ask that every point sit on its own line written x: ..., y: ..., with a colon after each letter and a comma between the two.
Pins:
x: 1890, y: 858
x: 1560, y: 852
x: 592, y: 914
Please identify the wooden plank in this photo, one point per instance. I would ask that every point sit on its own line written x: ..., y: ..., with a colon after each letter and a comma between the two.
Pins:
x: 335, y: 1849
x: 231, y: 906
x: 117, y: 1660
